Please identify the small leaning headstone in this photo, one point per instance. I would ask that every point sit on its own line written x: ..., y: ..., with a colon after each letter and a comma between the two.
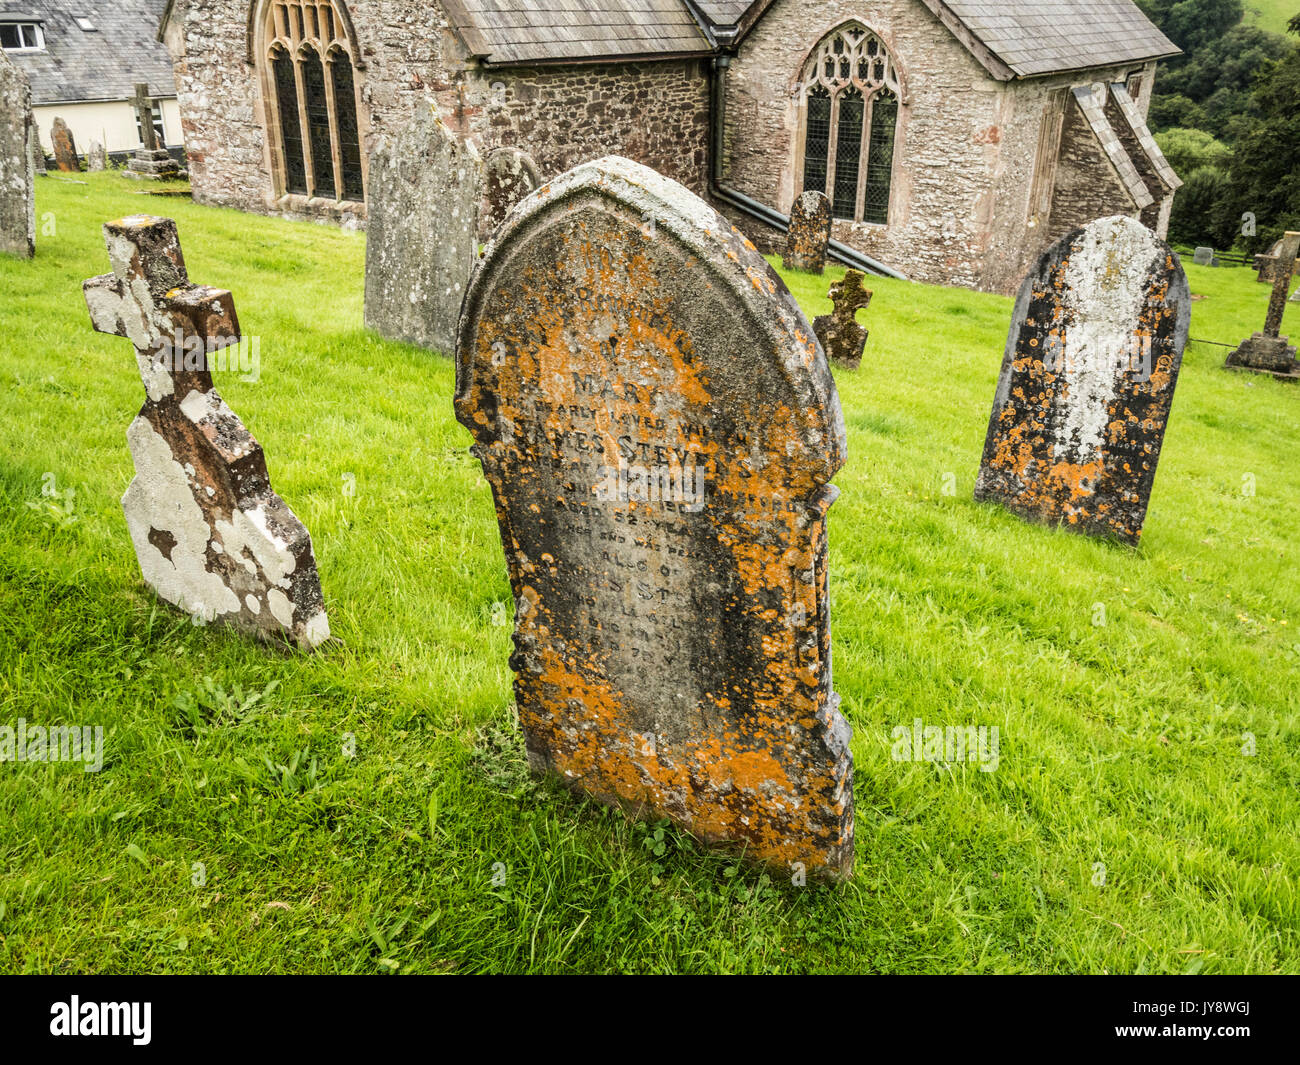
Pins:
x: 17, y: 178
x: 659, y: 430
x: 65, y: 148
x: 841, y: 337
x: 1203, y: 256
x: 1268, y: 351
x: 210, y: 535
x: 422, y: 227
x: 1092, y: 358
x: 809, y: 233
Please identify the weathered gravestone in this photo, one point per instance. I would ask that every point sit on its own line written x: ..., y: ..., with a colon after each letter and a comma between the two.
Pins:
x: 1088, y: 377
x: 1203, y: 256
x: 65, y: 147
x: 17, y: 178
x: 96, y: 157
x: 209, y: 533
x: 421, y: 232
x: 841, y: 337
x: 659, y: 429
x: 1269, y: 352
x: 1268, y: 264
x: 37, y: 152
x: 151, y: 161
x: 809, y: 234
x: 511, y: 175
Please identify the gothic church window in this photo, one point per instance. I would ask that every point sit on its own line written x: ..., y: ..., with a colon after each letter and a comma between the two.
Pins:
x: 310, y: 87
x: 850, y: 94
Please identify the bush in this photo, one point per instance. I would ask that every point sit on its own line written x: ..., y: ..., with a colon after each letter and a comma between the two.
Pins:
x: 1191, y: 149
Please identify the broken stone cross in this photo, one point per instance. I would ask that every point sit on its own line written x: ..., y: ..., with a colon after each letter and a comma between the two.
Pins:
x: 210, y: 535
x: 144, y: 112
x: 151, y: 161
x: 842, y: 338
x: 1268, y: 352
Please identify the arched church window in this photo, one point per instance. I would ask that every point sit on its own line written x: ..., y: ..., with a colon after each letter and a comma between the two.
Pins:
x: 850, y: 94
x: 311, y: 90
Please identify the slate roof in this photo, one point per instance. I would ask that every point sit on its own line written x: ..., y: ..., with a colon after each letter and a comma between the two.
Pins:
x: 79, y: 67
x: 528, y: 31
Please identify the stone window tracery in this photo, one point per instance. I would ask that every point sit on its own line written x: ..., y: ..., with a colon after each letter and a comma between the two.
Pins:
x: 310, y: 86
x: 850, y: 91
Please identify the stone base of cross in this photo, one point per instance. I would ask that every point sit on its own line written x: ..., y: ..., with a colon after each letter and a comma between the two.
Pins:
x: 153, y: 165
x: 211, y: 536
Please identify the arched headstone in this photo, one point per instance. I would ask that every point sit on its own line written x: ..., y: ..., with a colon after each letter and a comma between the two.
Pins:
x: 1087, y: 381
x: 511, y: 175
x: 659, y: 428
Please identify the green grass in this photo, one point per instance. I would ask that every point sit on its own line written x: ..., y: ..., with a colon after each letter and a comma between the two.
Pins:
x: 1120, y: 744
x: 1270, y: 14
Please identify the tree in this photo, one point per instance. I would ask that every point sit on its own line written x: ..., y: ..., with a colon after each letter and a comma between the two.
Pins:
x: 1192, y: 149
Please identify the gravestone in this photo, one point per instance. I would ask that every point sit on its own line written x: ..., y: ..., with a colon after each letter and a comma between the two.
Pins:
x: 659, y: 430
x: 809, y: 234
x: 421, y: 232
x: 1092, y: 358
x: 37, y: 152
x: 210, y: 535
x: 841, y: 337
x: 65, y: 148
x: 511, y: 175
x: 1269, y: 352
x: 151, y: 161
x: 96, y: 157
x: 1203, y: 256
x: 1267, y: 264
x: 17, y: 178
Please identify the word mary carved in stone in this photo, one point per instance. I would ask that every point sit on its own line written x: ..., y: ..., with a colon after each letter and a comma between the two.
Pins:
x: 1087, y: 381
x: 659, y: 428
x: 210, y: 534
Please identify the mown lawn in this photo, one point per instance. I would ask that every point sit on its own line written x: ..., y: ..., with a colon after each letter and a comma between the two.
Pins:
x: 229, y: 830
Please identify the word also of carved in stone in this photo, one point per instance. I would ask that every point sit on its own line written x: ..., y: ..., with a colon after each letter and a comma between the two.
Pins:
x: 809, y: 234
x: 842, y: 338
x: 1092, y: 358
x: 659, y: 430
x: 17, y: 174
x: 151, y: 161
x: 211, y: 536
x: 1269, y: 352
x: 422, y: 225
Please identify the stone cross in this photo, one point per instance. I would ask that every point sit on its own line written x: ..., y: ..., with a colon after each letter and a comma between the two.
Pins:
x: 659, y: 429
x: 17, y: 174
x: 842, y: 338
x: 809, y: 233
x: 210, y: 535
x: 422, y: 228
x: 65, y: 147
x: 1087, y: 381
x: 1268, y: 351
x: 143, y: 105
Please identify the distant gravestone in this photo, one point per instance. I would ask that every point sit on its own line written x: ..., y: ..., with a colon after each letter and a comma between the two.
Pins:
x: 1269, y: 352
x: 809, y: 234
x: 209, y: 533
x: 841, y: 337
x: 65, y: 147
x: 96, y: 157
x: 37, y: 152
x: 17, y: 179
x: 511, y: 175
x: 151, y: 161
x: 1087, y: 381
x: 421, y: 232
x: 659, y: 430
x: 1203, y: 256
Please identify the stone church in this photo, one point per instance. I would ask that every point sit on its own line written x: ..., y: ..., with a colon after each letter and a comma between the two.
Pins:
x: 955, y: 138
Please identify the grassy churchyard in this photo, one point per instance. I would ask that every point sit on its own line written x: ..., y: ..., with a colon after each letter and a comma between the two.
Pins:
x: 368, y: 809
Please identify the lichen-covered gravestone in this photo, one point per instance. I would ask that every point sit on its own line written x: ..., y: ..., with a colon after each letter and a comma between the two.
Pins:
x: 209, y: 533
x: 659, y: 428
x: 65, y: 147
x: 17, y: 179
x: 422, y: 227
x: 96, y: 157
x: 1088, y: 377
x: 841, y: 337
x: 809, y: 234
x: 511, y: 175
x: 1269, y: 352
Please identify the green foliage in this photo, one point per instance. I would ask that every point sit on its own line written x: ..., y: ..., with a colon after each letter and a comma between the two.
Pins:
x: 368, y: 809
x: 1191, y: 149
x: 1198, y: 216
